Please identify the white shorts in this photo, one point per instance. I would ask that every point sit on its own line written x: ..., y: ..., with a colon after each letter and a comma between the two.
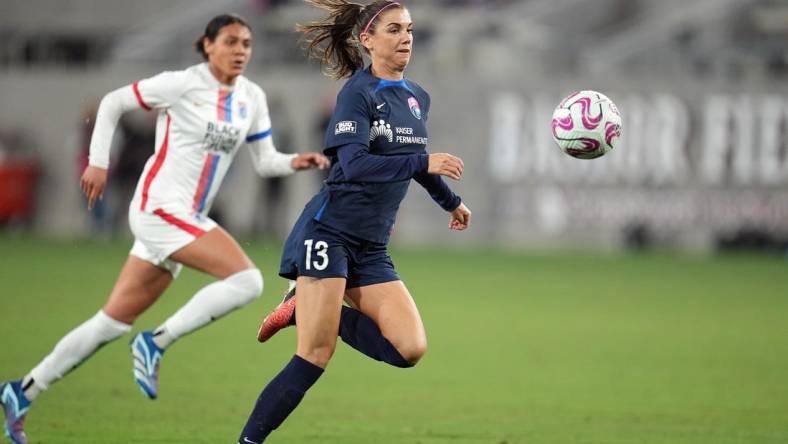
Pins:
x: 159, y: 234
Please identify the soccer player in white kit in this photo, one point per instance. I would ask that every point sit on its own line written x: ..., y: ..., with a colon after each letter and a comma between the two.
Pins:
x: 205, y: 114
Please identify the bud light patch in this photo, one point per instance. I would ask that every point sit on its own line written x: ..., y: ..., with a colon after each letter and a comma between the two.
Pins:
x: 345, y: 127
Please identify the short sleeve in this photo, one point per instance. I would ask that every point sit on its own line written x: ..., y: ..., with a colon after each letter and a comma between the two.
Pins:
x: 161, y: 90
x: 351, y: 120
x: 427, y: 103
x: 261, y: 120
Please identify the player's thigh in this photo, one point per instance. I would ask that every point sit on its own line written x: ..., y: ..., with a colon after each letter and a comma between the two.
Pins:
x: 215, y: 253
x: 317, y: 317
x: 138, y: 286
x: 393, y: 309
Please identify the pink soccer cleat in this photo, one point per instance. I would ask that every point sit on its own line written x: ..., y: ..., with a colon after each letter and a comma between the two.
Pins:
x: 283, y: 316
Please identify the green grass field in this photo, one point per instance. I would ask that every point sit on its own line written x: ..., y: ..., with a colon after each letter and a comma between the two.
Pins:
x: 524, y: 348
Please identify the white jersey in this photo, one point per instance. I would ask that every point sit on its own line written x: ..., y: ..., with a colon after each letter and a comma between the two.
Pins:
x: 200, y: 127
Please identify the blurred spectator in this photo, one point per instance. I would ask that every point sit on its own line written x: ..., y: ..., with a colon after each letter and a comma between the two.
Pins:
x: 325, y: 112
x: 271, y: 198
x: 637, y: 236
x: 477, y: 3
x: 752, y: 239
x: 137, y: 141
x: 263, y: 5
x: 19, y: 171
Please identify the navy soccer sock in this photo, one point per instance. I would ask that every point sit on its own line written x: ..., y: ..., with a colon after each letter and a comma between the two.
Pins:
x: 362, y: 333
x: 279, y: 398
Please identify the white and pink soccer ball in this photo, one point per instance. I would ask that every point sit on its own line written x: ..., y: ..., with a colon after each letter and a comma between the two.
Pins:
x: 586, y: 124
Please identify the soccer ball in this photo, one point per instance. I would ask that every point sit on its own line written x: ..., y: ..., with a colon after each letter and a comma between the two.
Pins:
x: 586, y: 124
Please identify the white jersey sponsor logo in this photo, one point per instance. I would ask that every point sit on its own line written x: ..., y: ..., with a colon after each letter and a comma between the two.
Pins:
x: 345, y: 127
x: 381, y: 129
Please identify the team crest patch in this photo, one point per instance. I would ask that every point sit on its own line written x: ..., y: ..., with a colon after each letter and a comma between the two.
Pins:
x: 242, y: 111
x: 415, y: 109
x: 345, y: 127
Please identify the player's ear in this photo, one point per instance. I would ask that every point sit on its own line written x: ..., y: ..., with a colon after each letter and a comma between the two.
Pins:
x: 208, y: 45
x: 366, y: 40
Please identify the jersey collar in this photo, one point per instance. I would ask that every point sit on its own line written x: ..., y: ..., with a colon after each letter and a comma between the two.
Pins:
x: 208, y: 75
x: 383, y: 83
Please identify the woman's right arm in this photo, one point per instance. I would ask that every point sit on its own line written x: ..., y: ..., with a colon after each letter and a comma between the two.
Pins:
x: 112, y: 106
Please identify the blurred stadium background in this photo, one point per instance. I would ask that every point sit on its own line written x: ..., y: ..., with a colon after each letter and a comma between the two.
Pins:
x: 575, y: 335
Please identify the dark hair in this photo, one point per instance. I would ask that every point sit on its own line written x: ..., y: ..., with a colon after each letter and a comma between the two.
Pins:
x: 334, y: 40
x: 213, y: 27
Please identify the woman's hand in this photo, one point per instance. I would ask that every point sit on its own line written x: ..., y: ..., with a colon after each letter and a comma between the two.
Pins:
x: 460, y: 218
x: 93, y: 182
x: 305, y: 161
x: 445, y: 164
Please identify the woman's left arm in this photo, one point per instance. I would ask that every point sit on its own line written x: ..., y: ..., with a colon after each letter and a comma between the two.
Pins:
x: 268, y: 162
x: 438, y: 190
x: 443, y: 195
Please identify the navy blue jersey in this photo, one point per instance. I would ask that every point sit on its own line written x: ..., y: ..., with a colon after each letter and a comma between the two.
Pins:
x: 377, y: 141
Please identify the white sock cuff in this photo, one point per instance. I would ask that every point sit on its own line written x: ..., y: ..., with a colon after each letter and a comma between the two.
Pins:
x: 106, y: 321
x: 250, y: 280
x: 36, y: 384
x: 214, y: 301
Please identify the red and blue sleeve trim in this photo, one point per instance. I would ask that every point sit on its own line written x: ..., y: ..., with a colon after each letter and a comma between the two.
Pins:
x: 259, y: 136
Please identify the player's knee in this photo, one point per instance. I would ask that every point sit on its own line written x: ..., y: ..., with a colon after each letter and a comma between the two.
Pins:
x: 413, y: 351
x: 249, y: 283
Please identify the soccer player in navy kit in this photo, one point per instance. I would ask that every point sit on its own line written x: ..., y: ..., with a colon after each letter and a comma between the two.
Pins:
x: 377, y: 143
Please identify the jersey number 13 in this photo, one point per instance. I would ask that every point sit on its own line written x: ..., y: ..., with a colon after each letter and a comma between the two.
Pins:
x: 321, y: 251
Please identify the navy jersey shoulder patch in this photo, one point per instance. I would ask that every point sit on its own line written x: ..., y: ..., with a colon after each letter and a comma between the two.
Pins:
x: 415, y: 109
x: 346, y: 127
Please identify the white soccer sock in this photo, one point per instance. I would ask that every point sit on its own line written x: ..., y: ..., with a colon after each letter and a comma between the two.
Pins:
x: 209, y: 304
x: 73, y: 349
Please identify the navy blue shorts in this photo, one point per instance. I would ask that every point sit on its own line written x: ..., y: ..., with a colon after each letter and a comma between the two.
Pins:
x: 318, y: 251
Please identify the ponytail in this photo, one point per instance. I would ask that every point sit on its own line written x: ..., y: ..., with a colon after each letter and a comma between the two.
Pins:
x: 335, y: 40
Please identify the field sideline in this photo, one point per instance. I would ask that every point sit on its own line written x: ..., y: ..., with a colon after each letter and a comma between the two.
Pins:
x: 524, y: 348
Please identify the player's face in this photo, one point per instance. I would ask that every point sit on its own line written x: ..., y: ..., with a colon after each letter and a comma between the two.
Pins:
x: 229, y: 53
x: 392, y: 43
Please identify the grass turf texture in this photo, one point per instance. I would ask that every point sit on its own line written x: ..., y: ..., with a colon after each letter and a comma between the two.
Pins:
x: 524, y: 348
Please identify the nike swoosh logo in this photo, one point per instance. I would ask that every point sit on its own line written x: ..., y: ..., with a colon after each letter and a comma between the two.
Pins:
x: 381, y: 105
x: 250, y: 442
